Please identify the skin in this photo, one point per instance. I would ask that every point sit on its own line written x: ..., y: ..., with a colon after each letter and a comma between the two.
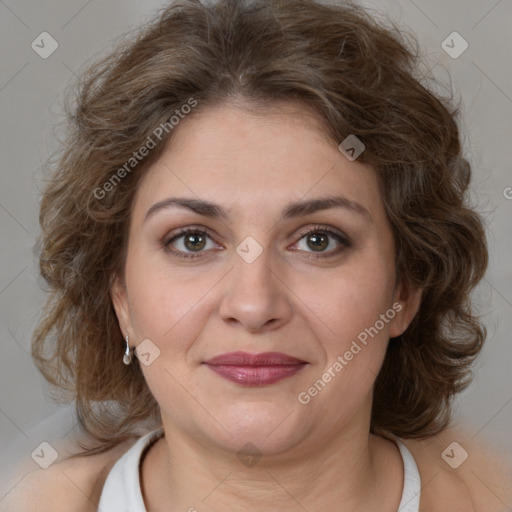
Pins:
x: 194, y: 309
x: 286, y: 301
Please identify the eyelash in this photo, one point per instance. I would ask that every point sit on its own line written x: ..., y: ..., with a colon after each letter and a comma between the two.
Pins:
x: 325, y: 230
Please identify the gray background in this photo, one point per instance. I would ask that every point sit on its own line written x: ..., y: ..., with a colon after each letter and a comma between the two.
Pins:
x: 31, y: 100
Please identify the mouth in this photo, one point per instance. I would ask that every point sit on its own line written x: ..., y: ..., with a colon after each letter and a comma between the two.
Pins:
x: 255, y: 369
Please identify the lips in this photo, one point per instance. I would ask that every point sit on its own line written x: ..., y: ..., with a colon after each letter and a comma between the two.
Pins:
x: 255, y: 369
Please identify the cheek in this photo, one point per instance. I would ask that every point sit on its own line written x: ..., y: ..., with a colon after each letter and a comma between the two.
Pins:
x: 353, y: 335
x: 167, y: 305
x: 352, y: 329
x: 351, y: 299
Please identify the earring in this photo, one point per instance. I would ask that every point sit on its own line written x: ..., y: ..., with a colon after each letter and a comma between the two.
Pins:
x: 127, y: 358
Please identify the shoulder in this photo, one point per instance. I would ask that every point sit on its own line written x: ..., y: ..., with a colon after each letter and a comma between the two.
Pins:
x: 71, y: 484
x: 460, y: 473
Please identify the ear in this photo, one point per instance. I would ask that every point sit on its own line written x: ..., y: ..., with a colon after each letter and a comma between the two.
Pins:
x: 406, y: 303
x: 119, y: 298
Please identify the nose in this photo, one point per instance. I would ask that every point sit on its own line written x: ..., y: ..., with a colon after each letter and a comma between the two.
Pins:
x: 255, y: 295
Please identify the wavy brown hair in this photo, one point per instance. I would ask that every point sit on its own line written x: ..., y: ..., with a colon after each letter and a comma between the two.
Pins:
x: 358, y: 76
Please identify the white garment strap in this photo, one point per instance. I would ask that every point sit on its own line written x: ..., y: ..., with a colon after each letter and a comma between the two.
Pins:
x: 410, y: 501
x: 122, y: 491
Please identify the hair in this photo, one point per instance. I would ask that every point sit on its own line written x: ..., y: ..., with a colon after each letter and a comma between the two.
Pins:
x: 359, y: 77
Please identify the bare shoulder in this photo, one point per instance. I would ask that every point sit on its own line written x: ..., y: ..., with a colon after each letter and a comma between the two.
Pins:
x: 460, y: 473
x: 71, y: 484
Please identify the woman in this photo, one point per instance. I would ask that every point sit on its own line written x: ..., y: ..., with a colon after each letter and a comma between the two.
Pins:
x: 260, y: 250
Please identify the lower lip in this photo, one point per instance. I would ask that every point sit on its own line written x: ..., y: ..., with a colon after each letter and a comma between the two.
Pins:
x: 256, y: 375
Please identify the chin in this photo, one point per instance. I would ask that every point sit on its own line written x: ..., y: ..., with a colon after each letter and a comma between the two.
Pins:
x: 271, y: 427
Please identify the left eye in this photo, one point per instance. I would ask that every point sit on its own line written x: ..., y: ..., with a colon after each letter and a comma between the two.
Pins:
x: 320, y: 241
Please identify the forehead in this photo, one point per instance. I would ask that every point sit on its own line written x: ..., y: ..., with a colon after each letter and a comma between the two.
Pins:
x: 255, y: 161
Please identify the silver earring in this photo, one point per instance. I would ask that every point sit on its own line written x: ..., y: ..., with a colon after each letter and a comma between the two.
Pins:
x: 127, y: 358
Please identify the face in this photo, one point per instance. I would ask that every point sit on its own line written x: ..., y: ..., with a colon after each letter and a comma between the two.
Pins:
x: 263, y: 267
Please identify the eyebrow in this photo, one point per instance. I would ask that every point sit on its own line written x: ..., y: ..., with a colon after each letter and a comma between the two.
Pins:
x: 292, y: 210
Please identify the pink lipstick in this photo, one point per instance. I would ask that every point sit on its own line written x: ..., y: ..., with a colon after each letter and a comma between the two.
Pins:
x: 255, y: 369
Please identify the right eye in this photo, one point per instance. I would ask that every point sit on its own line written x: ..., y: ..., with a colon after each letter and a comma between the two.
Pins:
x: 187, y: 242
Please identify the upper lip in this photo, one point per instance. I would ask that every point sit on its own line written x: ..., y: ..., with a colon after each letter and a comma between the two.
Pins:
x: 247, y: 359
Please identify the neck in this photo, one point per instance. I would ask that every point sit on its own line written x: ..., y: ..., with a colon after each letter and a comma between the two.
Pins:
x: 352, y: 471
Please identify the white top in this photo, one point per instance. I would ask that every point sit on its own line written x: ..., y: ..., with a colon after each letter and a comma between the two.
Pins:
x: 122, y: 491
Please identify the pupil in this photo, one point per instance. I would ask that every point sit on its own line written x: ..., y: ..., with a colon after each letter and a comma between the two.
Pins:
x: 191, y: 241
x: 319, y: 241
